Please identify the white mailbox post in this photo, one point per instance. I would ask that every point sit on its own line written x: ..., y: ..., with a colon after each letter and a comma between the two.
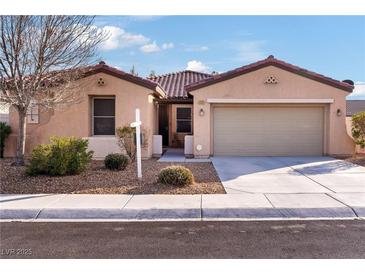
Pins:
x: 137, y: 125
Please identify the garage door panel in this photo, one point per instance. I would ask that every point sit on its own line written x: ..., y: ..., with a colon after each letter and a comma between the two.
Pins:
x: 268, y: 131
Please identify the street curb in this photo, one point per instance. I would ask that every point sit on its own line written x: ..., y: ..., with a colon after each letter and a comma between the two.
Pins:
x: 262, y: 213
x: 175, y: 220
x: 360, y: 211
x: 120, y: 214
x: 19, y: 213
x: 328, y: 212
x: 180, y: 214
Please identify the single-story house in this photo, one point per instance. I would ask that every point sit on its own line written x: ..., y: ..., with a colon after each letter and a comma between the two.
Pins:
x: 268, y: 108
x: 353, y: 107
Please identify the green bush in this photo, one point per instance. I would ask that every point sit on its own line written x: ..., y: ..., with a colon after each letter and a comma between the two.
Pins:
x: 5, y: 130
x: 175, y: 175
x: 39, y: 160
x: 63, y: 156
x: 116, y: 161
x: 358, y: 128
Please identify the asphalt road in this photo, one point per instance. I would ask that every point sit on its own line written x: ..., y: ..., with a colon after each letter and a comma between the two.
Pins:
x: 264, y: 239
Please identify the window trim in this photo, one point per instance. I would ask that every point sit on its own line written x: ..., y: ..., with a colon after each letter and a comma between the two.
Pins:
x: 93, y: 116
x: 190, y: 120
x: 33, y: 113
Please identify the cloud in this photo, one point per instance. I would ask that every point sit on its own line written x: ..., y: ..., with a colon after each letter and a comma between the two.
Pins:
x: 359, y: 90
x: 168, y: 45
x: 196, y: 48
x: 197, y: 66
x: 250, y: 51
x: 119, y: 38
x: 150, y: 48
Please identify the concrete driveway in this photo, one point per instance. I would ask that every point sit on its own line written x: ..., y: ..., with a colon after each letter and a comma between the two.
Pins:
x: 289, y: 175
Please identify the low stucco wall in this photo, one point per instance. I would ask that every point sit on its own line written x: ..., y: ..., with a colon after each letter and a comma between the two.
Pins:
x: 290, y: 86
x: 75, y: 120
x: 102, y: 146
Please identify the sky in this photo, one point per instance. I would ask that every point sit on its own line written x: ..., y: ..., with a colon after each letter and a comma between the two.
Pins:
x: 329, y: 45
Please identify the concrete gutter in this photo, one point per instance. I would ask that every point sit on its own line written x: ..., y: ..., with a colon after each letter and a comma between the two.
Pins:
x: 58, y: 207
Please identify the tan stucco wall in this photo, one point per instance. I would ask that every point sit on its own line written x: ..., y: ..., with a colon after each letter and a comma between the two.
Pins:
x: 75, y: 120
x: 348, y: 125
x: 290, y: 86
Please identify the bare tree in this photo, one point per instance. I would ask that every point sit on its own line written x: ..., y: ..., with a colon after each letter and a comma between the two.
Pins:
x: 133, y: 71
x: 152, y: 74
x: 40, y: 59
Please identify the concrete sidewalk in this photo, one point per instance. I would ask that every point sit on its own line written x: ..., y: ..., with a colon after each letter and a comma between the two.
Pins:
x: 181, y: 207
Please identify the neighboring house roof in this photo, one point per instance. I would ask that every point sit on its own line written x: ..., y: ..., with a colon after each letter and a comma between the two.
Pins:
x: 270, y: 61
x: 354, y: 106
x: 174, y: 83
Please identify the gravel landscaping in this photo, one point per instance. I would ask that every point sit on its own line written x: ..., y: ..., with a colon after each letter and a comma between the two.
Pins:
x: 359, y: 159
x: 99, y: 180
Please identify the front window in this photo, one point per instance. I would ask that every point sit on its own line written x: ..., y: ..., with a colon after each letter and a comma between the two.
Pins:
x: 103, y: 116
x: 33, y: 113
x: 183, y: 120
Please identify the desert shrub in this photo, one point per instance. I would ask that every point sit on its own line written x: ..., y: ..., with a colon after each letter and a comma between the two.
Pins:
x: 175, y: 175
x: 39, y: 160
x: 116, y: 161
x: 5, y: 130
x: 126, y: 140
x: 358, y: 128
x: 63, y: 156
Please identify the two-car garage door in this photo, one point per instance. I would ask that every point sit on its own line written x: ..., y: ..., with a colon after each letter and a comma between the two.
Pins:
x: 268, y: 131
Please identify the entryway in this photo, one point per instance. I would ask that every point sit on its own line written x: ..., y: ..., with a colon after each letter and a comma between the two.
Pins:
x: 163, y: 123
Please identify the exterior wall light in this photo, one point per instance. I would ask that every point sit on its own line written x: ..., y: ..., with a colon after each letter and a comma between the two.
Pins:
x: 339, y: 112
x: 199, y: 147
x: 201, y: 112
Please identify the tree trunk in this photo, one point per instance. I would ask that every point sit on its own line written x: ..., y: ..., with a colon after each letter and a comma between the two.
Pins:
x: 20, y: 146
x: 354, y: 153
x: 1, y: 147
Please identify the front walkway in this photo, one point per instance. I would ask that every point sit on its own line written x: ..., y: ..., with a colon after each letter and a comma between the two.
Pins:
x: 176, y: 155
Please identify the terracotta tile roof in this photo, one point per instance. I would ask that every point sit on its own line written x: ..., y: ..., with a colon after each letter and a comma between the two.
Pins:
x: 174, y: 83
x: 102, y: 67
x: 59, y: 76
x: 354, y: 106
x: 270, y: 61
